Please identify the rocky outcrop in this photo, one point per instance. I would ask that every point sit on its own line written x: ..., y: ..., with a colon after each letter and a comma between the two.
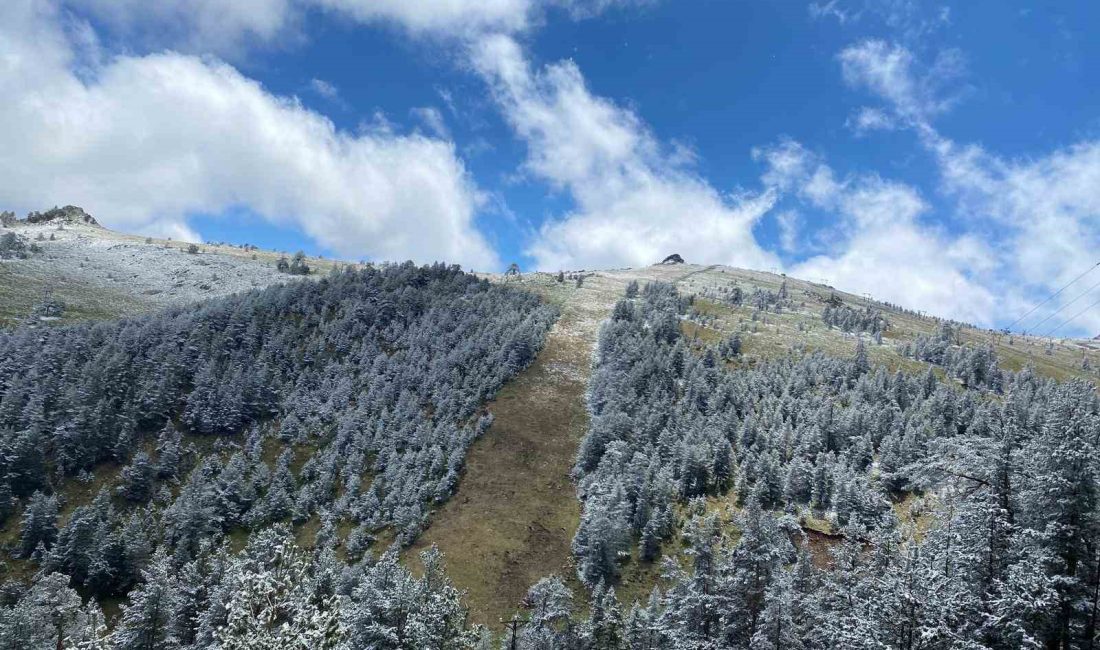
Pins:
x: 67, y: 214
x: 673, y: 259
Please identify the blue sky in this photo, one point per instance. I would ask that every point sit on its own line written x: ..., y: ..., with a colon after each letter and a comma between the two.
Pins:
x: 944, y: 156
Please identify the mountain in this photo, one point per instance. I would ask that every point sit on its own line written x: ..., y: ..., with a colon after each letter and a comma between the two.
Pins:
x: 387, y: 456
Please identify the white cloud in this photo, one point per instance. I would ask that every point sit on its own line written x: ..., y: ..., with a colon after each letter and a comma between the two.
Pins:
x: 789, y: 224
x: 1045, y: 212
x: 871, y: 119
x: 466, y: 18
x: 791, y: 167
x: 635, y: 201
x: 884, y: 69
x: 908, y: 20
x: 888, y: 70
x: 786, y: 163
x: 832, y: 9
x: 1041, y: 214
x: 325, y: 89
x: 144, y: 141
x: 196, y: 25
x: 891, y: 255
x: 432, y: 119
x: 581, y: 9
x: 230, y: 28
x: 879, y: 244
x: 437, y: 17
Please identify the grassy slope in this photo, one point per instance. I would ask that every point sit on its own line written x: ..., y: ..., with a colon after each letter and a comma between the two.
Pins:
x: 515, y: 511
x: 513, y: 518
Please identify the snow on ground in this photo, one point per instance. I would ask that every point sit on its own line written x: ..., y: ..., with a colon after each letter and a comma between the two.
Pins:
x: 101, y: 273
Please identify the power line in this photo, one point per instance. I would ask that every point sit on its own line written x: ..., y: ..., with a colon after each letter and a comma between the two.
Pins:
x: 1072, y: 318
x: 1051, y: 296
x: 1056, y: 312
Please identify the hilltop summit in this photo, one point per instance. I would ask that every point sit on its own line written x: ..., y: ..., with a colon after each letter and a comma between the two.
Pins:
x: 68, y: 214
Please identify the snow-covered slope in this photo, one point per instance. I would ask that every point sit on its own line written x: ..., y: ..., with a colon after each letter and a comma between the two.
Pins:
x: 99, y: 273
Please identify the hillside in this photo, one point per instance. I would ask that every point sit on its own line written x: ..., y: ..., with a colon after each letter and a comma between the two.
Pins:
x: 494, y: 550
x: 100, y: 273
x: 612, y: 428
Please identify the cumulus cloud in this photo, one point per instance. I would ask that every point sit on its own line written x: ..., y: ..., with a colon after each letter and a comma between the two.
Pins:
x: 1041, y: 213
x: 1045, y: 211
x: 466, y: 18
x: 144, y: 141
x: 908, y: 20
x: 880, y: 242
x: 230, y: 29
x: 196, y: 25
x: 891, y: 254
x: 581, y: 9
x: 635, y: 200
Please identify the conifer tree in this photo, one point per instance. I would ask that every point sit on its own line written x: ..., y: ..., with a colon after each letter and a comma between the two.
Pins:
x: 147, y: 618
x: 39, y: 524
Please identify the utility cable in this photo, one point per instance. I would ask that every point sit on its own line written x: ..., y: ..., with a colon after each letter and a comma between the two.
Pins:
x: 1072, y: 318
x: 1051, y: 296
x: 1064, y: 305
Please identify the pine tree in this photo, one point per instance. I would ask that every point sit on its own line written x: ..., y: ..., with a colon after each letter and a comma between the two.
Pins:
x: 274, y: 600
x: 693, y: 605
x: 147, y: 619
x: 761, y: 551
x: 602, y: 534
x: 392, y: 609
x: 650, y: 547
x: 39, y: 525
x: 777, y: 629
x: 51, y: 615
x: 861, y: 365
x: 169, y: 452
x: 137, y: 478
x: 605, y: 627
x: 1065, y: 489
x: 278, y: 504
x: 550, y: 604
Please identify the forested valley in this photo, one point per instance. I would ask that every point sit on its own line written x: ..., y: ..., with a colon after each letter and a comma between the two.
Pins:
x: 272, y: 452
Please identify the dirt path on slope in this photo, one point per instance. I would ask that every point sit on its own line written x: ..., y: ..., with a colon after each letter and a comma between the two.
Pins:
x: 514, y: 514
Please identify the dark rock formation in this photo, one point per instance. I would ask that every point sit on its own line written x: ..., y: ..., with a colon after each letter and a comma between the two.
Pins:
x: 69, y: 214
